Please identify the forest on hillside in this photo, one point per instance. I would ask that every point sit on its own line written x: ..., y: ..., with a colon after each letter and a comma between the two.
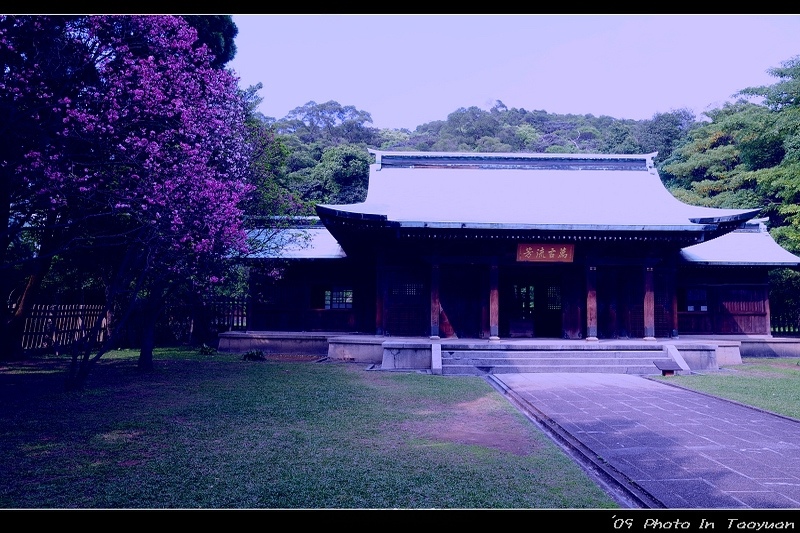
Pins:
x: 325, y: 145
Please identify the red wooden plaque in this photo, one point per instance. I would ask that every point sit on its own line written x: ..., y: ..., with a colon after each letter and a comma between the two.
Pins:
x: 546, y: 253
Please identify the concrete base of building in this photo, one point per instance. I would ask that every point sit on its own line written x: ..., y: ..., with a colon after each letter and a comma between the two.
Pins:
x: 697, y: 353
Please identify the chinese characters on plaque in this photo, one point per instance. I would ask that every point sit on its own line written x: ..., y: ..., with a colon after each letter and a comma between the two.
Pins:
x: 548, y: 253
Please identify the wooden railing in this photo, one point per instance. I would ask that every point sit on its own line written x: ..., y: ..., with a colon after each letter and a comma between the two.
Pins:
x: 229, y: 314
x: 785, y: 325
x: 59, y: 326
x: 56, y: 327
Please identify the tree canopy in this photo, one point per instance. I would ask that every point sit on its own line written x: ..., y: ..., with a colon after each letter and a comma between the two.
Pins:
x: 748, y: 155
x: 132, y: 141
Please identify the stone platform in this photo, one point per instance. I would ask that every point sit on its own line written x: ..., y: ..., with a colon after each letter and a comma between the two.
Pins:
x: 480, y: 356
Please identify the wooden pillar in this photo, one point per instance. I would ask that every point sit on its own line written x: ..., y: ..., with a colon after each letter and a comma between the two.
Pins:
x: 591, y: 303
x: 767, y: 316
x: 494, y: 303
x: 380, y: 297
x: 673, y: 289
x: 649, y: 305
x: 435, y: 303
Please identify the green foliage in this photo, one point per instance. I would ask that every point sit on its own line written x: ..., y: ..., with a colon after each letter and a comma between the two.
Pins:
x: 205, y: 349
x: 785, y: 93
x: 253, y: 355
x: 718, y: 158
x: 344, y: 171
x: 748, y: 155
x: 218, y: 33
x: 620, y: 138
x: 388, y: 138
x: 339, y: 177
x: 784, y: 295
x: 664, y: 132
x: 527, y: 136
x: 492, y: 144
x: 329, y: 124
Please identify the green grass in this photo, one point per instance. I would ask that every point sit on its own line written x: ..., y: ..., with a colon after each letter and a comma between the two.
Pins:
x: 772, y: 384
x: 219, y: 432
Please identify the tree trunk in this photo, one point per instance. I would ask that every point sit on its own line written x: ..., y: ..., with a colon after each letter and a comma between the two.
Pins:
x: 148, y: 343
x: 15, y: 327
x: 78, y: 372
x: 152, y: 309
x: 15, y: 324
x: 11, y: 333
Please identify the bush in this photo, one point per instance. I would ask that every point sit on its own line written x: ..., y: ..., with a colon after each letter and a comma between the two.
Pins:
x: 205, y: 349
x: 254, y: 355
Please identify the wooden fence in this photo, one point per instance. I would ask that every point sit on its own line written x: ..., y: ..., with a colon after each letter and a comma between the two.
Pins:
x: 785, y: 325
x: 229, y: 314
x: 58, y: 326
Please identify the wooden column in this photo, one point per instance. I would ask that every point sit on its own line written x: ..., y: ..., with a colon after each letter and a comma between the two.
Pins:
x: 380, y: 297
x: 435, y: 303
x: 494, y: 303
x: 673, y: 290
x: 767, y: 317
x: 649, y: 305
x: 591, y: 303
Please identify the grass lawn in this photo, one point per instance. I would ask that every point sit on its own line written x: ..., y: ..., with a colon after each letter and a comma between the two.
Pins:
x: 771, y: 383
x: 215, y: 431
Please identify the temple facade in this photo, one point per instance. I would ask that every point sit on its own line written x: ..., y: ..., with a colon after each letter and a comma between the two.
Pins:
x: 483, y: 245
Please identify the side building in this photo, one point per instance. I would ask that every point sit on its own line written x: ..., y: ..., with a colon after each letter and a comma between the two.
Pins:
x: 490, y: 246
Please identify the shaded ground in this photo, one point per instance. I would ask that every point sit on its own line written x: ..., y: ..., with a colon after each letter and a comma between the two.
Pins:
x: 482, y: 422
x: 218, y: 431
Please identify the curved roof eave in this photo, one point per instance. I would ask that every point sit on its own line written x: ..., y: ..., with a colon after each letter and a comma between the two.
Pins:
x: 742, y: 216
x: 740, y: 248
x: 339, y: 212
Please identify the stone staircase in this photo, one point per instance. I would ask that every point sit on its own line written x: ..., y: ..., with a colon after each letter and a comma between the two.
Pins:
x: 481, y: 360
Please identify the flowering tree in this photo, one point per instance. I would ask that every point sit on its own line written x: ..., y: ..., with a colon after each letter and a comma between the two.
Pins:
x: 122, y: 135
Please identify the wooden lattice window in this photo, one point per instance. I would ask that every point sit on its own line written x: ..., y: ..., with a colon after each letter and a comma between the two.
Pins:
x: 332, y: 298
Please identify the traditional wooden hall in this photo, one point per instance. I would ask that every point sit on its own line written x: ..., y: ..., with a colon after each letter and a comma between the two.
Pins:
x: 493, y: 247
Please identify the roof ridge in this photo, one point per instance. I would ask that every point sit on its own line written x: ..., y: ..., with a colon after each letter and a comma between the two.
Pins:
x: 515, y: 160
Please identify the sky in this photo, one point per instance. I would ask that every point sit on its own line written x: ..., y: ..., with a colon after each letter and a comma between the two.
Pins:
x: 407, y: 70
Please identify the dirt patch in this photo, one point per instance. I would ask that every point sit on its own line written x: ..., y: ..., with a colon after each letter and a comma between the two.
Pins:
x: 481, y: 423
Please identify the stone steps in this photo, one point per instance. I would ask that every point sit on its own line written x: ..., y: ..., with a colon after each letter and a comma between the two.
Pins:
x: 487, y: 361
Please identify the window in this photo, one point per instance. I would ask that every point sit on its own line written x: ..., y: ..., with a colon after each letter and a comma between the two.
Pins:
x: 695, y: 299
x: 523, y: 295
x: 407, y: 289
x: 339, y: 299
x: 332, y: 298
x: 553, y: 298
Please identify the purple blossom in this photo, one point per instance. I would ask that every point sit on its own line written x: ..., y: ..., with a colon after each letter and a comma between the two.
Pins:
x: 164, y: 131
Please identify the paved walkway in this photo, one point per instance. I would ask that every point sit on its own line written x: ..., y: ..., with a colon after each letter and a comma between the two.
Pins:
x: 660, y: 446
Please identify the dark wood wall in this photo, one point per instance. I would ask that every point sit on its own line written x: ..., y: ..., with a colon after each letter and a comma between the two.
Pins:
x: 723, y: 300
x: 534, y: 300
x: 294, y: 300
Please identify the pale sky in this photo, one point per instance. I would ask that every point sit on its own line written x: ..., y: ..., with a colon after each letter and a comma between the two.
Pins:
x: 406, y: 70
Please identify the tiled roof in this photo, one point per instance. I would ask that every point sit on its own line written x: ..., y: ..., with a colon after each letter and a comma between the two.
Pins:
x: 302, y: 242
x: 751, y: 245
x: 527, y: 191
